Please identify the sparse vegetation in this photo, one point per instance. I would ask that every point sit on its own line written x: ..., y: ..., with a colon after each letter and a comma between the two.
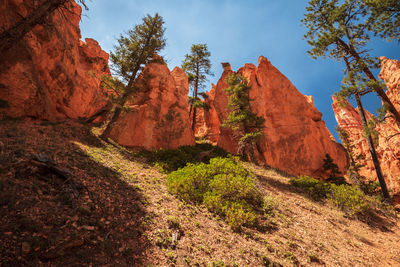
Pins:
x: 347, y: 198
x: 125, y: 215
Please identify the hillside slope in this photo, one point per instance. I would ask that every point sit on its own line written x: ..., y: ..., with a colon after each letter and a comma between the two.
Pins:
x: 113, y: 209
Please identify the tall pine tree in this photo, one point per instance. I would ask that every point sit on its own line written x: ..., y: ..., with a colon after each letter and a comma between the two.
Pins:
x: 354, y: 85
x: 197, y: 66
x: 340, y: 28
x: 133, y: 52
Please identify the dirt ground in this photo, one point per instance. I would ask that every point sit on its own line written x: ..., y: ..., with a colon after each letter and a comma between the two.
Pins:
x: 96, y: 204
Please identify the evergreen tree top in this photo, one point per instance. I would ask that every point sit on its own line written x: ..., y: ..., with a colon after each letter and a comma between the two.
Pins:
x: 137, y: 47
x: 197, y: 65
x: 335, y: 25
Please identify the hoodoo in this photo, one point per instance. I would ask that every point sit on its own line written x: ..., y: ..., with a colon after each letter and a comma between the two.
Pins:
x: 295, y: 138
x: 51, y: 74
x: 158, y: 115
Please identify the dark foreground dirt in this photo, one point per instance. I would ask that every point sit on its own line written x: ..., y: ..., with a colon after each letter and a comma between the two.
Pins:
x: 111, y: 208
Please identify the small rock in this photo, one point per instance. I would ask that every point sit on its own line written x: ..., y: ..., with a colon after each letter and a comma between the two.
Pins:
x: 89, y: 228
x: 26, y: 248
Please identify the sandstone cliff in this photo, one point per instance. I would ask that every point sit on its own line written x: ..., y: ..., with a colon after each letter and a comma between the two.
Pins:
x: 295, y: 137
x: 158, y: 115
x: 51, y: 74
x: 388, y: 146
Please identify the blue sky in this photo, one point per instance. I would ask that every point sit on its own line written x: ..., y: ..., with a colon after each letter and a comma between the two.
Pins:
x: 238, y: 32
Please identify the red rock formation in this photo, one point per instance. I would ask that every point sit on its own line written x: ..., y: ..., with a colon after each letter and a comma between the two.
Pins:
x: 158, y: 115
x: 201, y: 128
x: 349, y: 120
x: 295, y: 138
x: 388, y: 146
x: 51, y: 74
x: 390, y: 73
x: 207, y: 122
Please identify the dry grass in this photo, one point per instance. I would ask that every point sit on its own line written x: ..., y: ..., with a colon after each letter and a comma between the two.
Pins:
x: 125, y: 217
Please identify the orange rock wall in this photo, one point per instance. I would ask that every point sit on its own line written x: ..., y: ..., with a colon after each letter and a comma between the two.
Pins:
x: 50, y: 74
x: 295, y: 137
x: 158, y: 115
x: 207, y: 122
x: 388, y: 146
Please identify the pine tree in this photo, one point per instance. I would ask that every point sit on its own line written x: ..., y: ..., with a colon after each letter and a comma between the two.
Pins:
x: 134, y: 50
x: 197, y: 66
x: 385, y: 18
x: 334, y: 173
x: 246, y: 125
x: 354, y: 85
x: 340, y: 28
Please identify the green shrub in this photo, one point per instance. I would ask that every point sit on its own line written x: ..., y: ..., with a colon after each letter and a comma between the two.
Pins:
x: 370, y: 188
x: 347, y: 198
x: 223, y: 186
x: 314, y: 188
x: 168, y: 160
x: 270, y: 204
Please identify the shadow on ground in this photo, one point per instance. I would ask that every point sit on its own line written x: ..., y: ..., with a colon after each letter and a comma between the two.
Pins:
x: 42, y: 222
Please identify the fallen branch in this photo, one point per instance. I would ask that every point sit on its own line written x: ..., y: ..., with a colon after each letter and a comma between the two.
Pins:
x: 47, y: 165
x: 61, y: 249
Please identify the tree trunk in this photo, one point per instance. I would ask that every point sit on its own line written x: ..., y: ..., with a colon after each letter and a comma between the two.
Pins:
x: 111, y: 123
x: 190, y: 110
x: 196, y: 88
x: 11, y: 36
x: 128, y: 90
x: 194, y: 119
x: 101, y: 112
x: 191, y: 107
x: 117, y: 112
x: 373, y: 151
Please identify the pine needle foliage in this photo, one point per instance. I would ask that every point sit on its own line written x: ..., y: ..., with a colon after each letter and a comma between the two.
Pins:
x: 246, y: 125
x: 353, y: 85
x: 384, y: 18
x: 342, y: 29
x: 197, y: 66
x: 333, y: 169
x: 134, y: 50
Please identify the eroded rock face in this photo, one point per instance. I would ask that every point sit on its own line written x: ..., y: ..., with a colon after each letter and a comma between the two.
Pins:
x: 51, y: 74
x: 295, y: 138
x: 390, y: 73
x: 158, y: 115
x: 388, y: 145
x: 207, y: 121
